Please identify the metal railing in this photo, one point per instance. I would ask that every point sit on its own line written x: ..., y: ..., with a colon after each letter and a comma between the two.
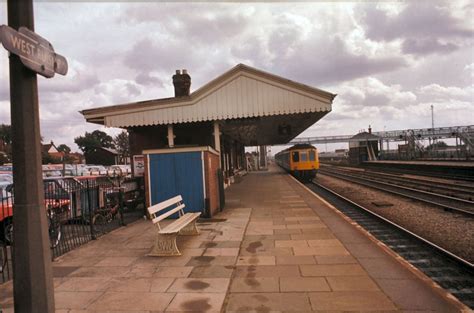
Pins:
x: 396, y: 135
x: 78, y: 210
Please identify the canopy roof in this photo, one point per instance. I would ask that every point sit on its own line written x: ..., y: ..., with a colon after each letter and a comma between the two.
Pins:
x: 252, y: 106
x: 242, y: 92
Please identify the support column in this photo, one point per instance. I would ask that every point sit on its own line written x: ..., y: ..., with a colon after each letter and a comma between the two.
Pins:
x: 263, y: 156
x: 217, y: 136
x: 32, y: 273
x: 170, y: 136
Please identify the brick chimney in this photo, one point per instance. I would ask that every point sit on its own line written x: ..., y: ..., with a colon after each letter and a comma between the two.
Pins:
x: 182, y: 83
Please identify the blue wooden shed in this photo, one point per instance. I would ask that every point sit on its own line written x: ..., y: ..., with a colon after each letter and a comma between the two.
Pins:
x: 183, y: 171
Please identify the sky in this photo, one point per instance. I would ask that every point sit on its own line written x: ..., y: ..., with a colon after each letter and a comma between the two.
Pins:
x: 387, y: 61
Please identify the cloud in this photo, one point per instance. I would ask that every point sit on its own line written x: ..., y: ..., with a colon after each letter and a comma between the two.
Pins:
x: 4, y: 92
x: 116, y: 91
x: 198, y: 23
x: 427, y: 46
x: 423, y: 27
x: 334, y: 63
x: 147, y: 79
x: 388, y: 62
x: 469, y: 68
x: 366, y: 100
x: 442, y: 93
x: 422, y: 19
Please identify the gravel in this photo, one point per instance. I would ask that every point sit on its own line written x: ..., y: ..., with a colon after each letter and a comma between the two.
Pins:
x: 454, y: 232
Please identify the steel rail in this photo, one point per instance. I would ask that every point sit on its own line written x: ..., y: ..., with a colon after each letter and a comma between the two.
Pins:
x: 449, y: 198
x: 449, y: 270
x: 466, y: 190
x: 433, y: 245
x: 375, y: 185
x: 464, y: 178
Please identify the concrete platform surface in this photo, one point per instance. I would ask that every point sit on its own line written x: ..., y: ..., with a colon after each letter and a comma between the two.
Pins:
x: 275, y: 248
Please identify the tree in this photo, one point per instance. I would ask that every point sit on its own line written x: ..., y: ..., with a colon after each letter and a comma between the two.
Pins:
x: 122, y: 144
x: 91, y: 142
x: 64, y: 148
x: 6, y: 147
x: 6, y: 134
x: 46, y: 158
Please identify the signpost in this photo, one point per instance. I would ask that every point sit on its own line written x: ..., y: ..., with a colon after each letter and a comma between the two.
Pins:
x: 35, y: 52
x: 33, y: 289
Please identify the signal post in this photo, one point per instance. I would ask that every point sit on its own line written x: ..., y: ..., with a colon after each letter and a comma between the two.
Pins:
x: 29, y: 54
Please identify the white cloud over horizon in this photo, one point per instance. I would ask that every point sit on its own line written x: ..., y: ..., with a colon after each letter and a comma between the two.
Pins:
x: 388, y: 62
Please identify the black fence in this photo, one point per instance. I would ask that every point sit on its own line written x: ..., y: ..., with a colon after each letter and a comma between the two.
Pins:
x: 78, y: 210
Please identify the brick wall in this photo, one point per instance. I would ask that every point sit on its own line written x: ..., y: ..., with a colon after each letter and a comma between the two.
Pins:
x: 211, y: 164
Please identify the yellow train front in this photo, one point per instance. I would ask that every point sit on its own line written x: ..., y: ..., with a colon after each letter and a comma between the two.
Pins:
x: 300, y: 160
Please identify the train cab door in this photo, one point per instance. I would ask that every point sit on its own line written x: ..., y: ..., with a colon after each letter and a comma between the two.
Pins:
x: 295, y: 158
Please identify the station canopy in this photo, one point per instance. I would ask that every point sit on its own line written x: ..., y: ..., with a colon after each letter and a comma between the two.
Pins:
x: 252, y: 106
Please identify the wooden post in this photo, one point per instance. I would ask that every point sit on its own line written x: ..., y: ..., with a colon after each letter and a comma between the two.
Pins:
x: 217, y: 136
x: 170, y: 136
x: 32, y: 279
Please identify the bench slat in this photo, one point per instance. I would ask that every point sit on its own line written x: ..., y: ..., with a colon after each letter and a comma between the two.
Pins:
x: 180, y: 223
x: 169, y: 213
x: 163, y: 205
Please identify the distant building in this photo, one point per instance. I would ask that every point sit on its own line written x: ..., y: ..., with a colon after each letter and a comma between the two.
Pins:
x: 51, y: 150
x: 76, y: 158
x: 103, y: 156
x: 363, y: 147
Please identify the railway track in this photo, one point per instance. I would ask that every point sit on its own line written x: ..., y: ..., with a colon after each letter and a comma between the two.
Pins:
x: 457, y: 190
x: 399, y: 187
x: 448, y: 270
x: 457, y: 177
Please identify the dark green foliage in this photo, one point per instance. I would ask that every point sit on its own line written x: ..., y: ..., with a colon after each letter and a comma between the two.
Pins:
x: 90, y: 143
x: 122, y: 144
x: 64, y: 148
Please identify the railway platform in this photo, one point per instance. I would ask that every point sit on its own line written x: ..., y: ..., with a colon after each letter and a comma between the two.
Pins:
x: 276, y: 247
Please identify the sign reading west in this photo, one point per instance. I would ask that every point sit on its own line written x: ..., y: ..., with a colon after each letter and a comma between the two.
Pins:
x: 34, y: 51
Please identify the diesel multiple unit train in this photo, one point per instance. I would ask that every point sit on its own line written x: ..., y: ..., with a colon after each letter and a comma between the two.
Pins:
x: 300, y: 160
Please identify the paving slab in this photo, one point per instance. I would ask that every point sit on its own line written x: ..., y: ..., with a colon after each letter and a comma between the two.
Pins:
x: 214, y: 271
x: 268, y: 302
x: 197, y: 302
x: 275, y: 248
x: 303, y: 284
x: 193, y: 285
x: 351, y: 301
x: 132, y: 301
x: 255, y: 284
x: 324, y: 263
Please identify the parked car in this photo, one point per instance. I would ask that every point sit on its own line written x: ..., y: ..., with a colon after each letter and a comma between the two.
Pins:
x: 94, y: 170
x: 5, y: 180
x: 75, y: 170
x: 57, y: 204
x: 52, y: 173
x: 119, y: 170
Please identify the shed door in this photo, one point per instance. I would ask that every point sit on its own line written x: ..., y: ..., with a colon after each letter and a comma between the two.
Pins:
x: 173, y: 174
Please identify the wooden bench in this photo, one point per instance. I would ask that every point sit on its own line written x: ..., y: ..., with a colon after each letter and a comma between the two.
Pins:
x: 165, y: 242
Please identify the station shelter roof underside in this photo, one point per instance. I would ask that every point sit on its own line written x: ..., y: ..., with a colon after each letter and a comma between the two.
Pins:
x: 251, y: 106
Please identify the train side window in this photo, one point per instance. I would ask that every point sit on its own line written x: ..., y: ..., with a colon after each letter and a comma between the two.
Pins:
x: 304, y: 156
x: 312, y: 155
x: 295, y: 156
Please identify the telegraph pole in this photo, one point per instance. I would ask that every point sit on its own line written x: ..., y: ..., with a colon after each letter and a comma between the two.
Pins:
x: 32, y: 273
x: 433, y: 147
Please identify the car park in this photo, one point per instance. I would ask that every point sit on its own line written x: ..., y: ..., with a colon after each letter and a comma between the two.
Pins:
x: 119, y: 170
x: 95, y: 170
x: 57, y: 204
x: 5, y: 180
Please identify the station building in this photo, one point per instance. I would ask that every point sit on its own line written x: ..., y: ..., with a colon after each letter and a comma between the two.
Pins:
x: 188, y: 141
